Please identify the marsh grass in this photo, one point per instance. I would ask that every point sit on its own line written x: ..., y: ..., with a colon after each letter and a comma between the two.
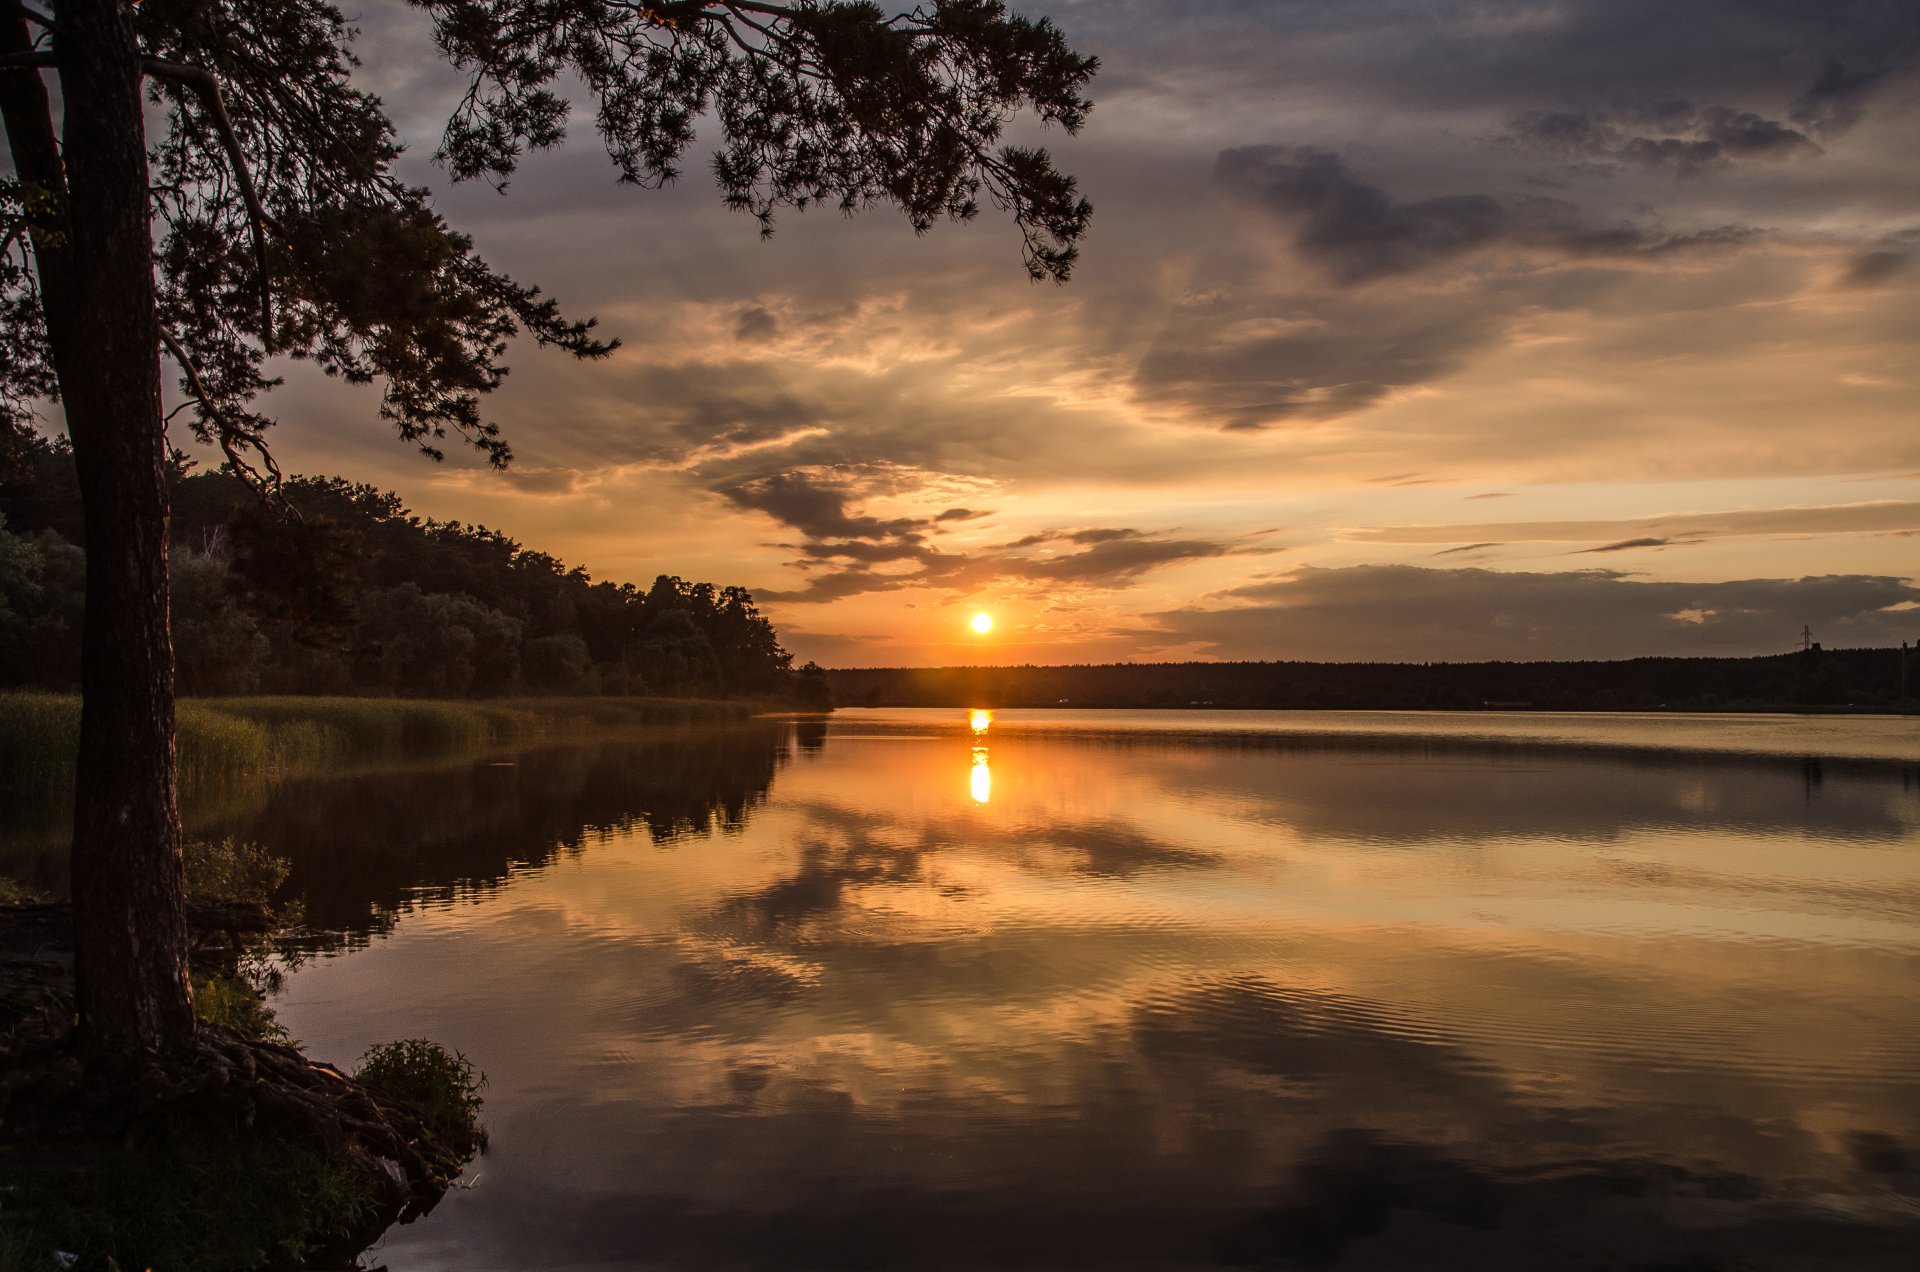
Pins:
x: 224, y: 739
x: 37, y: 738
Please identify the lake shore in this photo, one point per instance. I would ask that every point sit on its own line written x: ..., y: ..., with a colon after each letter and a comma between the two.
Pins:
x: 235, y: 737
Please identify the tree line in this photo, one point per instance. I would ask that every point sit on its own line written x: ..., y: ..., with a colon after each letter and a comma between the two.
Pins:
x: 1885, y: 679
x: 346, y: 591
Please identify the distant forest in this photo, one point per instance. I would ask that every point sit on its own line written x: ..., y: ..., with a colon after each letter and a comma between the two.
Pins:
x: 354, y: 594
x: 1879, y: 679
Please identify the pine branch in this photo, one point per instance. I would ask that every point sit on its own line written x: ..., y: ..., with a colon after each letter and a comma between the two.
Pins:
x: 207, y: 88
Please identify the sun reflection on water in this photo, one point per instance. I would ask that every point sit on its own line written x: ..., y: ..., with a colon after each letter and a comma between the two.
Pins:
x: 980, y: 779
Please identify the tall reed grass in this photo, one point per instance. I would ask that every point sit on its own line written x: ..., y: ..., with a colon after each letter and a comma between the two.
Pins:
x: 223, y: 739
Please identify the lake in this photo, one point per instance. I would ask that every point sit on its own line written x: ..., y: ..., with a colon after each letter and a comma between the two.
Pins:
x: 1156, y: 990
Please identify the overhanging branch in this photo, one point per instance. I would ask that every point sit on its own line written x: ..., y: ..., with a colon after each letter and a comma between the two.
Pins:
x: 231, y: 439
x: 207, y: 88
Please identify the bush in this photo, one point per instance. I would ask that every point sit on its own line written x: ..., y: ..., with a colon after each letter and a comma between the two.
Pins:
x: 231, y: 1004
x: 230, y: 870
x: 442, y: 1086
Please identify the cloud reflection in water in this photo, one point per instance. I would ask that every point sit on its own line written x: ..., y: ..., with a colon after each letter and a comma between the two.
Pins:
x: 1172, y: 1003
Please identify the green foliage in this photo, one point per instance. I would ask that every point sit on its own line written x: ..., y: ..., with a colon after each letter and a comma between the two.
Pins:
x: 194, y: 1194
x: 218, y: 646
x: 38, y: 735
x: 42, y: 584
x: 230, y: 1003
x: 441, y: 1085
x: 231, y: 870
x: 811, y: 692
x: 12, y: 890
x: 225, y: 744
x: 231, y: 994
x: 358, y: 595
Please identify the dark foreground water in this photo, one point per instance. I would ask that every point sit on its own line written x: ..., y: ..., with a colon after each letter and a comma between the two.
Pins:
x: 1149, y: 990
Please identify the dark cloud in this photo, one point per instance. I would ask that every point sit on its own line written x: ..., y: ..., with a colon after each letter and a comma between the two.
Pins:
x: 1355, y: 228
x: 1461, y: 54
x: 817, y: 507
x: 1359, y: 233
x: 961, y: 514
x: 1835, y: 101
x: 1399, y: 613
x: 1625, y: 544
x: 1677, y: 137
x: 1113, y: 560
x: 1870, y: 269
x: 1313, y: 359
x: 836, y: 585
x: 1468, y: 547
x: 755, y: 324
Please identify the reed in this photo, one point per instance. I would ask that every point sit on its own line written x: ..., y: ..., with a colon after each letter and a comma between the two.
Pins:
x: 38, y: 733
x: 223, y: 739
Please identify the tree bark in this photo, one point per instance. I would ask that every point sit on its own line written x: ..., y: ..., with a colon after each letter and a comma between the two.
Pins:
x: 95, y: 269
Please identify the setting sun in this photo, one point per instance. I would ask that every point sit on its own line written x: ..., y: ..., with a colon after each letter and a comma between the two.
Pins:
x: 983, y: 623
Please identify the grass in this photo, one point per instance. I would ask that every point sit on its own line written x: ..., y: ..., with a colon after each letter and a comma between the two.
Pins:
x: 221, y: 739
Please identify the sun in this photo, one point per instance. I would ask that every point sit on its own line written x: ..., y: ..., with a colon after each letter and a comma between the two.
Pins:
x: 983, y: 623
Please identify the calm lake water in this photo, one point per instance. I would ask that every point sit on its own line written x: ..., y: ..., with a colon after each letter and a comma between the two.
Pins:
x: 1166, y: 990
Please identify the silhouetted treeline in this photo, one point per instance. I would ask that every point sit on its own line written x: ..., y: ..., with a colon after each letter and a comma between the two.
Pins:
x: 353, y: 594
x: 1868, y: 678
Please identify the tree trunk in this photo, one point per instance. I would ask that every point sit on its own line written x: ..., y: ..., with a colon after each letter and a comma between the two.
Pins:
x: 96, y: 278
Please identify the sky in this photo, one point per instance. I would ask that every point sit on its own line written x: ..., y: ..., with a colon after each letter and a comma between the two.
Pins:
x: 1405, y: 329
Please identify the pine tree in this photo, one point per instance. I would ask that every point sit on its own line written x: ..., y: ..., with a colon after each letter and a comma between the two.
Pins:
x: 283, y: 229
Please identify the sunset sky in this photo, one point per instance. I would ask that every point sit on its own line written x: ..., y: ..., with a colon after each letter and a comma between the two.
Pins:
x: 1406, y: 330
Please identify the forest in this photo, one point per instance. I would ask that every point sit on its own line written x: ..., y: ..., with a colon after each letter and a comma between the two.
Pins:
x: 1814, y: 678
x: 338, y: 588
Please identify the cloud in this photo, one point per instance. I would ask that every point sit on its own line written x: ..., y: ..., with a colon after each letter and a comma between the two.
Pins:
x: 1835, y: 101
x: 755, y: 323
x: 1378, y: 290
x: 1359, y: 233
x: 1408, y: 613
x: 1109, y: 560
x: 1625, y: 544
x: 1889, y: 516
x: 1356, y: 228
x: 1678, y: 137
x: 1870, y: 269
x: 816, y: 505
x: 866, y: 553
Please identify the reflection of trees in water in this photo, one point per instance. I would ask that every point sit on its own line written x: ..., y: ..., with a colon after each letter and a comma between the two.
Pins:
x: 366, y: 846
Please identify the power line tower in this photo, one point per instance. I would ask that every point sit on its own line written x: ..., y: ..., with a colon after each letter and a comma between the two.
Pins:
x: 1806, y: 638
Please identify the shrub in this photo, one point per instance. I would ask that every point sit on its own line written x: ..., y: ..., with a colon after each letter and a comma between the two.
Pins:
x: 442, y: 1086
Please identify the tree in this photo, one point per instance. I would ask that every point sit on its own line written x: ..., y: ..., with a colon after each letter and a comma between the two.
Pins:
x: 284, y: 230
